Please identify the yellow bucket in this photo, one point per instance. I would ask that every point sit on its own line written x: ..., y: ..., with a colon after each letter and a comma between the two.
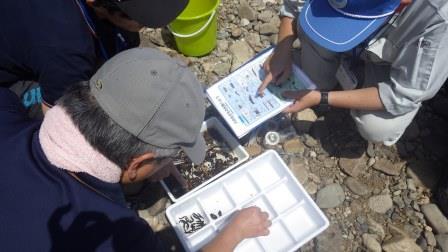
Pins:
x: 194, y: 29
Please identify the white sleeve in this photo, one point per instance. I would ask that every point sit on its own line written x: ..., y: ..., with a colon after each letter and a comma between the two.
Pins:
x: 291, y: 8
x: 417, y: 73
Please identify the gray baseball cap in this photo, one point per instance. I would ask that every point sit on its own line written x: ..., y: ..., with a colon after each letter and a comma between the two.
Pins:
x: 154, y: 97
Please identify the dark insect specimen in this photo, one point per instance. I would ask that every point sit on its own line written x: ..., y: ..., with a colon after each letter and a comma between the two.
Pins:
x: 216, y: 216
x: 193, y: 223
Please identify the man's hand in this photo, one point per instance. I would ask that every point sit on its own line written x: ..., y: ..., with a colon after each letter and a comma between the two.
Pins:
x: 303, y: 99
x: 167, y: 169
x: 250, y: 222
x: 247, y: 223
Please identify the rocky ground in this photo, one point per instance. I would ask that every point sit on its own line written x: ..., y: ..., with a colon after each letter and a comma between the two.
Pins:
x: 377, y: 198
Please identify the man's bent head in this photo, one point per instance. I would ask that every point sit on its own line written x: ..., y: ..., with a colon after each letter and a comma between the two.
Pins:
x: 140, y: 101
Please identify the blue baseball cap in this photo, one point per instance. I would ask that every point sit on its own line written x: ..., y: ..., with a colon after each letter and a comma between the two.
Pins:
x: 341, y: 25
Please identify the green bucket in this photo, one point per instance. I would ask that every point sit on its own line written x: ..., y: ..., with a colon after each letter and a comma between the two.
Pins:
x: 194, y: 29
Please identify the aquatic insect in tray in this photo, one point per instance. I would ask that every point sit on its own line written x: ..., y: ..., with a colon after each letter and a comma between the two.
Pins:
x: 193, y: 223
x: 214, y: 216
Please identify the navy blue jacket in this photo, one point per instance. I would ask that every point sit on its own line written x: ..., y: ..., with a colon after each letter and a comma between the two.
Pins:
x: 45, y: 209
x: 49, y: 41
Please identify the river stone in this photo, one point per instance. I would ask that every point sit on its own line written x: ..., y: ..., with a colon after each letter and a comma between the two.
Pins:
x: 241, y: 52
x: 310, y: 141
x: 254, y: 41
x: 356, y: 186
x: 380, y: 203
x: 254, y: 150
x: 222, y: 45
x: 222, y: 69
x: 352, y: 166
x: 244, y: 22
x: 430, y: 238
x: 245, y: 11
x: 265, y: 16
x: 298, y: 167
x: 376, y: 228
x: 442, y: 240
x: 435, y: 218
x: 293, y: 146
x: 310, y: 187
x: 386, y: 166
x: 370, y: 150
x: 305, y: 115
x: 401, y: 244
x: 236, y: 32
x: 330, y: 196
x: 371, y: 243
x: 411, y: 185
x: 268, y: 29
x: 331, y: 240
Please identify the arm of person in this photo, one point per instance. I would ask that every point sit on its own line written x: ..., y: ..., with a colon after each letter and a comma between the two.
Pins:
x: 278, y: 66
x: 249, y: 222
x: 362, y: 99
x: 416, y: 75
x: 418, y: 72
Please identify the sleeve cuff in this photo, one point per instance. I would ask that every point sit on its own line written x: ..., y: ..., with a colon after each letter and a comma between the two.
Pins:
x: 394, y: 104
x: 291, y: 8
x: 47, y: 104
x: 287, y: 12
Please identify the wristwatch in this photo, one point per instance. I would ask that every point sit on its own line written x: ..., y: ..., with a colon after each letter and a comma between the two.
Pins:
x: 324, y: 99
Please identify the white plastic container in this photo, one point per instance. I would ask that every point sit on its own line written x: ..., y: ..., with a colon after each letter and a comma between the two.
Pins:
x: 234, y: 145
x: 265, y: 182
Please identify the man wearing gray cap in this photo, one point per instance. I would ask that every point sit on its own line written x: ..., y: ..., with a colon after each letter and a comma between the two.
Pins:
x: 61, y: 176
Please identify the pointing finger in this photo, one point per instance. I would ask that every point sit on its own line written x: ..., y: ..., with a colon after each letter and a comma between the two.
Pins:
x: 264, y: 84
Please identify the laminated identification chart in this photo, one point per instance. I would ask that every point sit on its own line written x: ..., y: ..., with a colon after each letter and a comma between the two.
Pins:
x: 240, y: 92
x: 236, y: 98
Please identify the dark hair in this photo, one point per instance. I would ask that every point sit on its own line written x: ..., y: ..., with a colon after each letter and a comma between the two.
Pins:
x: 106, y: 136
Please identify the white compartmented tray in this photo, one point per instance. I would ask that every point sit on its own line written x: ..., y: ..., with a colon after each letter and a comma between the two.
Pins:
x: 233, y: 144
x: 265, y: 182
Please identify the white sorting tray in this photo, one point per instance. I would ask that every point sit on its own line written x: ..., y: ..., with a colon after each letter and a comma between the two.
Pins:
x: 265, y: 182
x: 233, y: 144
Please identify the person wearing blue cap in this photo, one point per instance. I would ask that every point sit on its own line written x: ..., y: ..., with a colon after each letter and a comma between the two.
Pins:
x: 388, y: 56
